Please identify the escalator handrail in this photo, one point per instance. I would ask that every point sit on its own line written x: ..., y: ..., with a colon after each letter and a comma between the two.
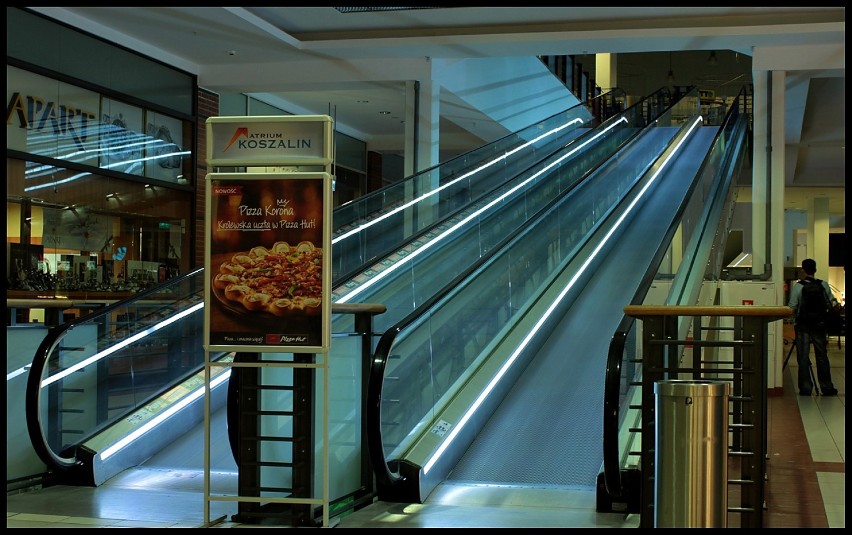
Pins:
x: 48, y: 345
x: 381, y: 354
x: 615, y: 355
x: 494, y: 187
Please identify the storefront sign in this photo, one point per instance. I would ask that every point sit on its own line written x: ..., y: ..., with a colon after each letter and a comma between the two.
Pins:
x: 57, y: 120
x: 269, y: 140
x: 51, y: 118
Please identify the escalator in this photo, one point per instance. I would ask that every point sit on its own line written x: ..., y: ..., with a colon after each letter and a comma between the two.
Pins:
x: 106, y: 378
x: 685, y: 279
x: 499, y: 381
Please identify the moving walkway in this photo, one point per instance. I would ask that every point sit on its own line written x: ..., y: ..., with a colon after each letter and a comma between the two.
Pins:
x: 367, y: 254
x: 500, y: 380
x: 93, y: 377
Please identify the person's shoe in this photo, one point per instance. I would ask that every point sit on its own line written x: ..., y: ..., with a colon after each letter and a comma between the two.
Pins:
x: 832, y: 392
x: 801, y: 393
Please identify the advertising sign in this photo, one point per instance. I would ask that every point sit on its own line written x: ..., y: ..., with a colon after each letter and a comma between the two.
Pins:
x: 268, y: 264
x: 269, y: 140
x: 49, y: 118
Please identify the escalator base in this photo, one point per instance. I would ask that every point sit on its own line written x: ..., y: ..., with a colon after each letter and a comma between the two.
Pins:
x: 628, y: 503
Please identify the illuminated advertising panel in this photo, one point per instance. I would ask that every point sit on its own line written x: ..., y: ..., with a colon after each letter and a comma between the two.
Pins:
x: 267, y: 259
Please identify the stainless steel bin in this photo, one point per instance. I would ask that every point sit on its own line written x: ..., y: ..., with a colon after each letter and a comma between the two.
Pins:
x: 691, y: 453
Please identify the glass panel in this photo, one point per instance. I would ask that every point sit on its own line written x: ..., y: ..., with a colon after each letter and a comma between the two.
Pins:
x: 350, y: 152
x: 40, y: 41
x: 371, y: 223
x: 121, y: 360
x: 443, y: 345
x: 410, y: 277
x: 700, y: 236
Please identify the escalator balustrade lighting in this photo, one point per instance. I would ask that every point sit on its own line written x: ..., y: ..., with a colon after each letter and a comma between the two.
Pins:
x: 381, y: 275
x: 20, y: 371
x: 163, y: 416
x: 482, y: 396
x: 448, y: 184
x: 126, y: 342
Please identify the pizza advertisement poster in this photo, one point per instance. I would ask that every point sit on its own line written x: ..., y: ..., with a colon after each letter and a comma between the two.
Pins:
x: 268, y: 284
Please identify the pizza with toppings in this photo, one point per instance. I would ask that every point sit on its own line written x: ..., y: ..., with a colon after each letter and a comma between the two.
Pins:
x: 283, y: 281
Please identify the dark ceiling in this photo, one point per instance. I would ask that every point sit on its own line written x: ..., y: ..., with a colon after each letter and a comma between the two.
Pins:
x: 281, y: 53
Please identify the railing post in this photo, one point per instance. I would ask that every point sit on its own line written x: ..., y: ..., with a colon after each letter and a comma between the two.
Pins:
x: 747, y: 374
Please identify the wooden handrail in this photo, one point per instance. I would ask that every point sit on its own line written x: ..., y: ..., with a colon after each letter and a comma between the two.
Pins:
x: 774, y: 312
x: 59, y: 302
x: 52, y: 302
x: 355, y: 308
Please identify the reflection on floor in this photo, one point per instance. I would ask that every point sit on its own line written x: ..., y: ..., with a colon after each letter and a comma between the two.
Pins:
x: 821, y: 456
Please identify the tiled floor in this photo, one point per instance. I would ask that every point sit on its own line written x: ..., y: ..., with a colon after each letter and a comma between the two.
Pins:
x: 806, y: 486
x: 824, y: 421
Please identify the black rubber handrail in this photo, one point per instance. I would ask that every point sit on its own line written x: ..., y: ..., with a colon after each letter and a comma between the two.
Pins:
x: 51, y: 341
x: 615, y: 355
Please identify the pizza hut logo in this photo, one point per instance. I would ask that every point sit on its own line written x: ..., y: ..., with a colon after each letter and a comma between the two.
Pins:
x: 281, y: 339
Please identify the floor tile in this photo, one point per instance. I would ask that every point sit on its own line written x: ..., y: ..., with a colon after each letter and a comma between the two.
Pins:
x: 821, y: 435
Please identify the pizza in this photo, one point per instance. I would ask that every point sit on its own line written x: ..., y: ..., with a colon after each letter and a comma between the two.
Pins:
x: 283, y: 281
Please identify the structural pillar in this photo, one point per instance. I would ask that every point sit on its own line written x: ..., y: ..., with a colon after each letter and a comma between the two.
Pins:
x: 767, y: 203
x: 818, y: 229
x: 606, y: 72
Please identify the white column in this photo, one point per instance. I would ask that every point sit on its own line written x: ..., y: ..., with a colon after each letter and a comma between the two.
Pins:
x: 767, y: 200
x: 422, y: 121
x: 428, y: 122
x: 760, y: 165
x: 410, y: 126
x: 818, y: 229
x: 408, y: 164
x: 606, y: 72
x: 777, y: 181
x: 422, y: 118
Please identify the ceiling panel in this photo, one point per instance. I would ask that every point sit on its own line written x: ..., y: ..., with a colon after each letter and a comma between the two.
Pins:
x: 263, y: 40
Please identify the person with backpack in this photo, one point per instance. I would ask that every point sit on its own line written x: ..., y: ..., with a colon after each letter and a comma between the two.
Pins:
x: 811, y: 301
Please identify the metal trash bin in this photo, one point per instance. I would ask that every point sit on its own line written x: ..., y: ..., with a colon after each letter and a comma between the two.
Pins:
x: 691, y: 453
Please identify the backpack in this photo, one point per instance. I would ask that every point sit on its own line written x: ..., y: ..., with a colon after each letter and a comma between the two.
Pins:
x: 814, y: 305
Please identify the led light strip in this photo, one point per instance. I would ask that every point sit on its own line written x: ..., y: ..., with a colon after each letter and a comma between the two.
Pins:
x: 20, y: 371
x: 197, y: 393
x: 448, y: 184
x: 162, y: 417
x: 112, y: 349
x: 221, y: 378
x: 381, y: 275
